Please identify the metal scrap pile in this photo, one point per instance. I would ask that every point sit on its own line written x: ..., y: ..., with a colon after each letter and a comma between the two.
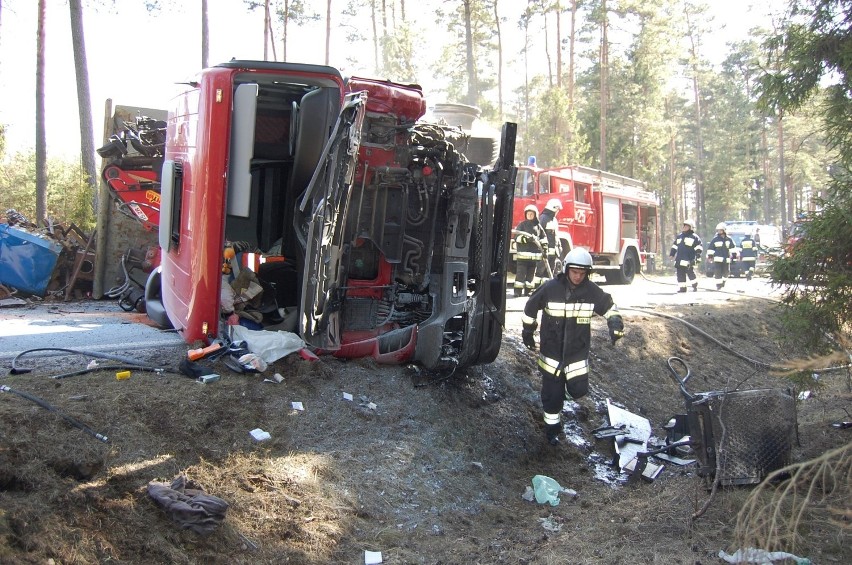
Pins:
x: 55, y: 261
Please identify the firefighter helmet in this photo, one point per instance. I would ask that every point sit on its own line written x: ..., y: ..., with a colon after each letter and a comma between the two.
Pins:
x: 721, y: 227
x: 578, y: 258
x: 531, y: 208
x: 554, y: 205
x: 689, y: 222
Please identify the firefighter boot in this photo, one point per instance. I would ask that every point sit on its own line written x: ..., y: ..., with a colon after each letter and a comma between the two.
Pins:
x: 551, y: 431
x: 682, y: 289
x: 748, y: 275
x: 695, y: 287
x: 719, y: 286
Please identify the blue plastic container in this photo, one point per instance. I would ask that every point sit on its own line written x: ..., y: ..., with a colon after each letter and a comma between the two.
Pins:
x: 27, y: 261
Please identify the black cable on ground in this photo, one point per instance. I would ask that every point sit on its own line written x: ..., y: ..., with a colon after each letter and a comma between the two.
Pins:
x: 44, y: 404
x: 20, y: 371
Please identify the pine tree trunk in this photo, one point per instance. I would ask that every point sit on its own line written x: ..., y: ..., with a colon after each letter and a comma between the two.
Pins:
x: 205, y: 37
x: 84, y: 101
x: 41, y: 136
x: 499, y: 63
x: 328, y: 32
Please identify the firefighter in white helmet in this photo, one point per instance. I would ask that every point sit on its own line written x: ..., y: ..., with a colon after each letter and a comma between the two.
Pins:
x: 569, y: 301
x: 551, y: 228
x: 721, y: 251
x: 531, y: 241
x: 748, y: 255
x: 686, y: 251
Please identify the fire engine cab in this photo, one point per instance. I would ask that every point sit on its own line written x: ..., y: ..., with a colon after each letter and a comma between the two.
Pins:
x: 614, y: 217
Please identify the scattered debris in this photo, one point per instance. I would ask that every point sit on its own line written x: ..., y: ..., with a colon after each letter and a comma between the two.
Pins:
x: 43, y: 261
x: 548, y: 490
x: 752, y: 555
x: 259, y: 435
x: 372, y: 557
x: 347, y: 396
x: 635, y: 440
x: 550, y: 524
x: 297, y: 406
x: 277, y: 378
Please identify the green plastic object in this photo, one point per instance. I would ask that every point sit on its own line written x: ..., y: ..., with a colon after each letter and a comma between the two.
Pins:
x: 546, y: 490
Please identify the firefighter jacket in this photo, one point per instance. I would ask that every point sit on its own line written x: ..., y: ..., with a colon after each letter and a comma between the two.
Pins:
x: 721, y: 249
x: 531, y: 241
x: 566, y: 333
x: 686, y: 249
x: 551, y: 226
x: 748, y: 248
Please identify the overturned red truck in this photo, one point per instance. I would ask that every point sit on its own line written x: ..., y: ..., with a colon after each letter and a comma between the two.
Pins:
x: 387, y: 240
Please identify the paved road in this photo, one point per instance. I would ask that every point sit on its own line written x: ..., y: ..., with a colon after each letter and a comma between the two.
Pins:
x: 662, y: 291
x: 99, y: 326
x: 103, y: 327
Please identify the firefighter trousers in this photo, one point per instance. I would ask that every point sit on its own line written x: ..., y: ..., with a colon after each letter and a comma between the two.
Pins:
x: 525, y: 274
x: 682, y: 273
x: 556, y: 390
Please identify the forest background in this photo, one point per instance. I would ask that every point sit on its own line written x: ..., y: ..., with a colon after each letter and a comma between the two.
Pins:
x: 639, y: 88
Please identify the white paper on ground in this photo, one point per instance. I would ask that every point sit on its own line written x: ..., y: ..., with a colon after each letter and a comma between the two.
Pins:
x: 372, y: 557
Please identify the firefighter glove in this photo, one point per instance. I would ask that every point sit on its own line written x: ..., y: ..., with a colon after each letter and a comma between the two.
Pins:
x: 616, y: 328
x: 529, y: 340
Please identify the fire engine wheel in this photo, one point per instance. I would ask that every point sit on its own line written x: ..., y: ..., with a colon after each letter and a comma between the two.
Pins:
x: 629, y: 268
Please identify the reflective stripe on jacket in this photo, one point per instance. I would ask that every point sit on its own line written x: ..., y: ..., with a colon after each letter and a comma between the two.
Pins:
x: 686, y: 248
x: 721, y: 249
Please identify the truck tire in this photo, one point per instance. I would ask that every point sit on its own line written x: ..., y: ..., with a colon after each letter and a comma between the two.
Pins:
x: 628, y: 269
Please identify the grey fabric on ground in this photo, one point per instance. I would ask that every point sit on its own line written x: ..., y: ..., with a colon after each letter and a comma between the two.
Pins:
x: 191, y: 508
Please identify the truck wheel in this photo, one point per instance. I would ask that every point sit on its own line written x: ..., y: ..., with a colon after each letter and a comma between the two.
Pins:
x: 628, y: 269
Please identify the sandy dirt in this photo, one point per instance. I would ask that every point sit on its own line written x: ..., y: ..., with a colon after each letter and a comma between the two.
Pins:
x: 424, y: 468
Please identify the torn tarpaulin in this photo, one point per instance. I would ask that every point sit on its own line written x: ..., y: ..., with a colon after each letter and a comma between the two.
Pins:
x: 188, y: 506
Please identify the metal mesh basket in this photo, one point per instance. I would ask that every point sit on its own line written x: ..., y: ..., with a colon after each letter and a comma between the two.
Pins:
x: 742, y: 435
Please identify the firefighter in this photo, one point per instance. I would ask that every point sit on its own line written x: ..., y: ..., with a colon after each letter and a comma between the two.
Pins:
x: 748, y: 254
x: 568, y: 301
x: 721, y: 251
x: 686, y: 251
x: 551, y: 228
x: 531, y: 241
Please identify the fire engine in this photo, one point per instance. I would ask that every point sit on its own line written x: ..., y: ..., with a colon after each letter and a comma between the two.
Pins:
x: 372, y: 225
x: 614, y: 217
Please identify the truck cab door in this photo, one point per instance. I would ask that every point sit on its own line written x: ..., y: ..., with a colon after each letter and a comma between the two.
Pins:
x: 322, y: 213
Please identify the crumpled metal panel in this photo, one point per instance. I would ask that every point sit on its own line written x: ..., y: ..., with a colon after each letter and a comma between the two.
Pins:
x: 748, y: 433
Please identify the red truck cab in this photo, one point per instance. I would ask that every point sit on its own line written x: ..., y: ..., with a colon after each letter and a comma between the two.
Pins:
x: 385, y: 238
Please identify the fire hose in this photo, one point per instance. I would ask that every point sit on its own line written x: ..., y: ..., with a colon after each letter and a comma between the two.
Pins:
x: 44, y: 404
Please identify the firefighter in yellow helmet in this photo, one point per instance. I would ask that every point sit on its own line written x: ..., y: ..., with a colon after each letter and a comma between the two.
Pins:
x: 569, y: 301
x: 721, y: 251
x: 531, y: 241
